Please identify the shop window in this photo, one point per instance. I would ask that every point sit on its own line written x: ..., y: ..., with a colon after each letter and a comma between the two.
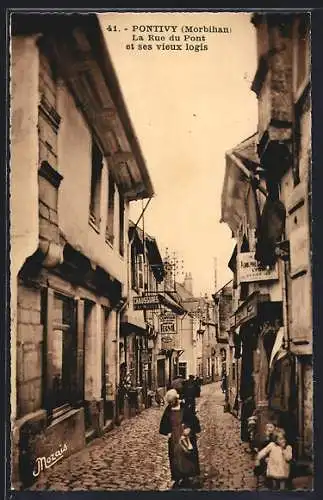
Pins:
x: 96, y: 176
x: 121, y: 223
x: 109, y: 231
x: 161, y: 376
x: 62, y: 363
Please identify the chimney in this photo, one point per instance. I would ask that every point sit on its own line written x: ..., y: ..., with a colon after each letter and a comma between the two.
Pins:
x: 188, y: 283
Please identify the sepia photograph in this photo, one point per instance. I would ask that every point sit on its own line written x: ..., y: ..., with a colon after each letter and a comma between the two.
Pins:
x: 161, y: 311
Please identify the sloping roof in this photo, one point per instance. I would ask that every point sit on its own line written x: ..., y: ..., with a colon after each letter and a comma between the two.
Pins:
x: 80, y: 50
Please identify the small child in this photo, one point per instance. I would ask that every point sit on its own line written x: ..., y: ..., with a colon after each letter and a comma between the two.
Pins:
x: 185, y: 441
x: 279, y: 455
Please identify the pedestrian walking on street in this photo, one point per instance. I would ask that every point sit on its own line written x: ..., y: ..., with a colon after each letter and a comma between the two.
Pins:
x: 224, y: 383
x: 181, y: 425
x: 191, y: 391
x: 279, y: 455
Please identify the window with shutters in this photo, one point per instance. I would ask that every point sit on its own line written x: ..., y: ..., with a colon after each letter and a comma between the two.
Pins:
x: 109, y: 233
x: 140, y: 272
x: 121, y: 223
x: 96, y: 176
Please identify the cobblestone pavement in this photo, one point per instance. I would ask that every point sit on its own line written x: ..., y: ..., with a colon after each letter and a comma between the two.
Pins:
x: 134, y: 456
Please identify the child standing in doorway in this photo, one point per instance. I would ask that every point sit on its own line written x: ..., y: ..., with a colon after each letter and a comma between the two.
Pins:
x: 279, y: 455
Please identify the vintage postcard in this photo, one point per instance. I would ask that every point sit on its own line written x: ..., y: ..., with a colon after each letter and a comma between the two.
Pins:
x: 160, y: 263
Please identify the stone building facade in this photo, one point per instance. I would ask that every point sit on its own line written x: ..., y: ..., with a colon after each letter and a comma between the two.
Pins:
x: 282, y: 85
x: 75, y: 167
x: 266, y: 201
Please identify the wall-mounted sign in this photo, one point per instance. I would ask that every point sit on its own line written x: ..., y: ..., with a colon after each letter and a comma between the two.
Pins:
x: 247, y: 312
x: 146, y: 302
x: 249, y: 270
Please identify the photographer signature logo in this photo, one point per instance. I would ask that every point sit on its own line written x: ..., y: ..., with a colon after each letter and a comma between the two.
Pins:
x: 43, y: 463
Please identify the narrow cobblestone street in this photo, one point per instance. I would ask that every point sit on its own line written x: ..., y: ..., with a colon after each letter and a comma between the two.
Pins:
x: 134, y: 456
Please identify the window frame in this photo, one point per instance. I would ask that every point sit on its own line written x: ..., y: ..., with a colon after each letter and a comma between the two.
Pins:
x: 76, y: 329
x: 122, y: 207
x: 109, y: 230
x: 95, y: 185
x: 140, y: 271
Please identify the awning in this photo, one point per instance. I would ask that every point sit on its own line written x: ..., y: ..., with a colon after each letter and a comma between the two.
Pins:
x: 238, y: 200
x: 167, y: 301
x: 128, y: 328
x: 131, y: 323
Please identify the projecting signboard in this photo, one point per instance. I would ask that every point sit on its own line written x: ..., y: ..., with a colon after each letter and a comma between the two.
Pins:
x: 167, y: 342
x: 168, y: 327
x: 146, y: 302
x: 249, y: 269
x: 167, y: 323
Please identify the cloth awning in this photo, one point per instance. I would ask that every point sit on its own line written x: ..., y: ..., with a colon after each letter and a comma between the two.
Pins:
x: 238, y: 200
x: 167, y: 301
x: 132, y: 323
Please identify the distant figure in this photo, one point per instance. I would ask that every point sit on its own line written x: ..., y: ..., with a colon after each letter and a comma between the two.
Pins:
x: 191, y: 391
x: 178, y: 384
x: 224, y: 382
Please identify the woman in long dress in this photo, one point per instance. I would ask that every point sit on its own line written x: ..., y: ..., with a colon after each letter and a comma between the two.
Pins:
x: 179, y: 420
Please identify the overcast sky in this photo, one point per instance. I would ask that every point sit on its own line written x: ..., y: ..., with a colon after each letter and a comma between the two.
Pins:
x: 187, y: 109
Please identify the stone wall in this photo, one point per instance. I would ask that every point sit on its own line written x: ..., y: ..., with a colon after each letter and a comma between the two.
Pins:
x: 29, y: 351
x: 308, y: 409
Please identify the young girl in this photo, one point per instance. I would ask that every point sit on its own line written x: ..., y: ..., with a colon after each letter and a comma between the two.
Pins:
x: 279, y: 455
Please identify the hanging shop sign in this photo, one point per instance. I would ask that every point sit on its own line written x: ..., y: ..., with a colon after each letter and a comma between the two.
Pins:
x: 167, y: 342
x: 146, y: 302
x: 167, y: 316
x: 249, y: 269
x: 167, y: 327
